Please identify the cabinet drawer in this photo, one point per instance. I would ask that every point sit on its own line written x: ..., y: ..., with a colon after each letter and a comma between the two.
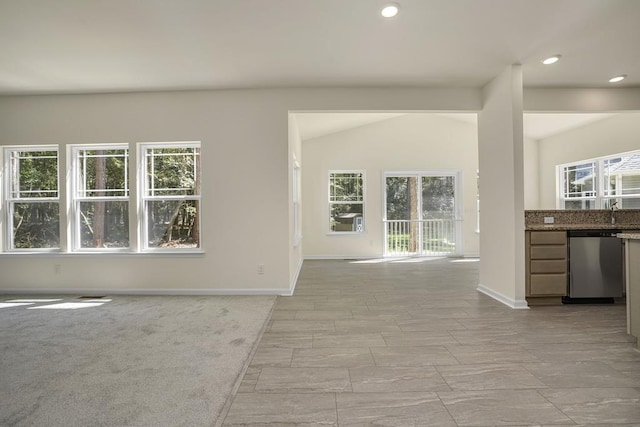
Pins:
x: 548, y: 284
x: 549, y: 266
x: 548, y: 252
x: 548, y: 237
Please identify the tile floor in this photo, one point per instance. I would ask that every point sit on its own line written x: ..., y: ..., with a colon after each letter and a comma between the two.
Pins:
x: 413, y: 343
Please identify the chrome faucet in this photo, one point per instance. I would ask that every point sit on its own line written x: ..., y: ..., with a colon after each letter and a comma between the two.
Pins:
x: 613, y: 214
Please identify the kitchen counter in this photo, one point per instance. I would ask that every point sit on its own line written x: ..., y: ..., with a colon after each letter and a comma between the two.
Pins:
x: 547, y: 251
x: 574, y: 226
x: 624, y: 219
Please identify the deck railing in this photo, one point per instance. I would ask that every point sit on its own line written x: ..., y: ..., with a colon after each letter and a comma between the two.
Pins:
x: 429, y: 237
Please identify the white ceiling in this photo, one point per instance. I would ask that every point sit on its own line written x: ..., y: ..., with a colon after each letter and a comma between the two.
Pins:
x: 535, y: 125
x: 78, y: 46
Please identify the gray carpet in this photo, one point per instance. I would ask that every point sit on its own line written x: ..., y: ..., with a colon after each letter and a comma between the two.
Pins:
x: 132, y: 361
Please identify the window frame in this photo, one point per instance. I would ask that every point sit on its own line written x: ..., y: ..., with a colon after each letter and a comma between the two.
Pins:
x: 601, y: 199
x: 143, y: 197
x: 478, y: 201
x: 74, y: 199
x: 347, y: 202
x: 8, y: 201
x: 296, y: 199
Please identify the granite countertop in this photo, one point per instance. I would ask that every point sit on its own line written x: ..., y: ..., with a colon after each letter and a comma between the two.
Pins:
x: 560, y: 227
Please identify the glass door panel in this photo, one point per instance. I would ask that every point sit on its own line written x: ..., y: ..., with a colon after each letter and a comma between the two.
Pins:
x: 438, y: 215
x: 421, y: 214
x: 402, y: 213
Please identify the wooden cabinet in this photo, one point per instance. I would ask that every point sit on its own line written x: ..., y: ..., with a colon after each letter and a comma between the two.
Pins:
x: 545, y: 266
x: 632, y: 274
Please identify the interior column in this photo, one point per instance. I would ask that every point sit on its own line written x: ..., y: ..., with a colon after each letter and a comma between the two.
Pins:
x: 500, y: 152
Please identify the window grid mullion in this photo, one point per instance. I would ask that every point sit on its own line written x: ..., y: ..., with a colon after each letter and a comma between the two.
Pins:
x: 153, y: 172
x: 84, y: 173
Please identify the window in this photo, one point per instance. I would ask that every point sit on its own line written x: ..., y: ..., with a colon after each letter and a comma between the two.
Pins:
x: 171, y: 195
x: 578, y: 188
x: 346, y: 202
x: 116, y: 199
x: 32, y: 202
x: 100, y: 197
x: 602, y: 183
x: 621, y: 177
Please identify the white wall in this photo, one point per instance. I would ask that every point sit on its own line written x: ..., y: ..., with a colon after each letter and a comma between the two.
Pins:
x: 600, y: 100
x: 244, y: 168
x: 575, y: 100
x: 617, y: 134
x: 246, y: 178
x: 531, y: 174
x: 246, y: 187
x: 414, y: 142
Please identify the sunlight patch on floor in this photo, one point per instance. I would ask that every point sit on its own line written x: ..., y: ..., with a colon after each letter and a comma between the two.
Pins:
x: 13, y: 304
x: 68, y: 306
x: 374, y: 260
x: 396, y: 260
x: 45, y: 303
x: 415, y: 260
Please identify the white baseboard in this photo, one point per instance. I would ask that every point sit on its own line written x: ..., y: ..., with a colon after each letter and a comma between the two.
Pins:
x: 294, y: 281
x: 171, y: 292
x: 515, y: 304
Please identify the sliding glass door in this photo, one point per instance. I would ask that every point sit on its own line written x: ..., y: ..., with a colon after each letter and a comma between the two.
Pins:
x: 422, y: 214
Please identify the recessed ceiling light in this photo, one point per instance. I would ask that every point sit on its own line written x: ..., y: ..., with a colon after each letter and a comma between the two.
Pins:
x: 551, y: 60
x: 390, y: 10
x: 617, y: 79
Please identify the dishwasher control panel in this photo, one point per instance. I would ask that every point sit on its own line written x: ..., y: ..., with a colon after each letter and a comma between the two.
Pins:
x: 593, y: 233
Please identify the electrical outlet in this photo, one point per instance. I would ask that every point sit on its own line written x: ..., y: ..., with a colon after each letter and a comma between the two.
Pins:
x: 260, y: 269
x: 548, y: 220
x: 56, y: 268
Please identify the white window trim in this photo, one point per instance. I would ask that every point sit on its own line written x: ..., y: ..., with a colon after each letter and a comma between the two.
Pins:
x: 560, y: 180
x: 73, y: 200
x: 65, y: 200
x: 7, y: 201
x: 329, y: 202
x: 297, y: 207
x: 142, y: 197
x: 478, y: 201
x: 599, y: 186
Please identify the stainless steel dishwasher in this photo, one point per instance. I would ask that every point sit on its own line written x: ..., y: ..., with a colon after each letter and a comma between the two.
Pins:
x: 595, y: 266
